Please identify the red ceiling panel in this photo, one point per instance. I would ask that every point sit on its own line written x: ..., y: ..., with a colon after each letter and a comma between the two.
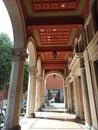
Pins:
x: 54, y: 36
x: 54, y: 5
x: 54, y: 24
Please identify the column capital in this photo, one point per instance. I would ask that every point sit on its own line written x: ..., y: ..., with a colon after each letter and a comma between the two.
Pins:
x: 33, y: 70
x: 19, y: 54
x: 39, y: 78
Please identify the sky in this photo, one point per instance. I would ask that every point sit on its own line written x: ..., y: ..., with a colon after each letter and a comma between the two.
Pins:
x: 5, y: 23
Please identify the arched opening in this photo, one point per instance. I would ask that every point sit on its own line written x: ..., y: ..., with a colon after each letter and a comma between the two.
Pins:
x: 54, y: 88
x: 6, y: 38
x: 31, y: 50
x: 18, y: 57
x: 5, y: 22
x: 32, y: 58
x: 29, y: 64
x: 18, y: 24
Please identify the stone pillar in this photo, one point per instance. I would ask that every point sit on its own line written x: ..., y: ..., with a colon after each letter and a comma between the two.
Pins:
x: 43, y: 93
x: 12, y: 117
x: 65, y: 96
x: 31, y: 92
x: 69, y: 97
x: 80, y: 98
x: 86, y: 105
x: 38, y: 93
x: 76, y: 96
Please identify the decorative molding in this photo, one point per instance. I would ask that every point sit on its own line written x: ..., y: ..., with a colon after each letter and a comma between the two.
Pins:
x: 76, y: 59
x: 19, y: 54
x: 33, y: 70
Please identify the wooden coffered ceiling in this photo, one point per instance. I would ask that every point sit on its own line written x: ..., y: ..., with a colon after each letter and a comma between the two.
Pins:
x: 54, y: 24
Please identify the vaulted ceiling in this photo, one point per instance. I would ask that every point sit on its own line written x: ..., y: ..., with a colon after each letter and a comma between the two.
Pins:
x: 54, y: 24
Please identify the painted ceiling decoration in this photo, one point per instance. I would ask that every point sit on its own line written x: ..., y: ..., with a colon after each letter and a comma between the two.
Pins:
x: 54, y: 24
x: 54, y: 34
x: 36, y: 8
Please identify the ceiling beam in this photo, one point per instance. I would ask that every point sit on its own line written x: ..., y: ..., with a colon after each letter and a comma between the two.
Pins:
x: 54, y: 62
x: 49, y: 67
x: 54, y: 69
x: 51, y: 48
x: 54, y: 65
x: 60, y: 70
x: 54, y: 20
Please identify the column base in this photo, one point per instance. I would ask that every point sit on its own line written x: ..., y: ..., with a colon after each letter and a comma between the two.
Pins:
x: 30, y: 115
x: 38, y: 110
x: 94, y: 128
x: 87, y: 126
x: 69, y: 111
x: 77, y: 118
x: 80, y: 118
x: 13, y: 128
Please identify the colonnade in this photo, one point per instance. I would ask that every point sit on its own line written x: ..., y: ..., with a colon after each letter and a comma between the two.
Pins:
x: 35, y: 99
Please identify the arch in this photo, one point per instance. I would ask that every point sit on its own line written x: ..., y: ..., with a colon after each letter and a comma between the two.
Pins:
x: 39, y: 66
x: 54, y: 72
x: 54, y: 85
x: 18, y: 23
x: 32, y: 56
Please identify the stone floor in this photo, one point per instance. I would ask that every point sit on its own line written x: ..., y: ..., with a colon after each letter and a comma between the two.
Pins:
x: 53, y: 117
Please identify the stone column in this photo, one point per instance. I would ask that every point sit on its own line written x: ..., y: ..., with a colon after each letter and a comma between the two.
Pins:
x: 31, y: 92
x: 65, y: 96
x: 87, y: 113
x: 69, y: 96
x: 76, y: 96
x: 12, y: 117
x: 43, y: 93
x: 80, y: 98
x: 38, y: 93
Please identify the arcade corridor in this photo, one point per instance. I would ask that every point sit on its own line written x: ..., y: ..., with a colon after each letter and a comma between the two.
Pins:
x: 53, y: 117
x: 60, y: 40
